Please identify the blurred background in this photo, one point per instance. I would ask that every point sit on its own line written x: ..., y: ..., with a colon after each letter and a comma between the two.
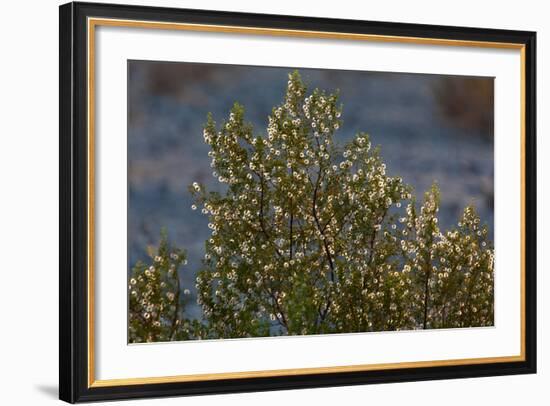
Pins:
x: 430, y: 128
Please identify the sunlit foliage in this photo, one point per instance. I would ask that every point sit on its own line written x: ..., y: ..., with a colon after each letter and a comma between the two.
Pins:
x: 312, y: 237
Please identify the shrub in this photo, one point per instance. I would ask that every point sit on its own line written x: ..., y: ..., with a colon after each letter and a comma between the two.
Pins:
x: 312, y: 237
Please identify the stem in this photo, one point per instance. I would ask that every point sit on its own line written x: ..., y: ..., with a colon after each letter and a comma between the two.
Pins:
x: 325, y: 244
x: 177, y: 310
x: 291, y: 221
x: 291, y: 218
x: 426, y: 296
x: 318, y: 224
x: 261, y: 215
x: 282, y: 320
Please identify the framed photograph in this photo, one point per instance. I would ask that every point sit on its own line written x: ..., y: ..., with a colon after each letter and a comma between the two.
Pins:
x: 258, y: 202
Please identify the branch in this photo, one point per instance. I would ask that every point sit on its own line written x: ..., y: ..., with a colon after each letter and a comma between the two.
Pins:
x: 318, y: 224
x: 176, y: 311
x: 426, y: 296
x: 325, y: 244
x: 291, y: 221
x: 282, y: 320
x: 373, y: 238
x: 261, y: 215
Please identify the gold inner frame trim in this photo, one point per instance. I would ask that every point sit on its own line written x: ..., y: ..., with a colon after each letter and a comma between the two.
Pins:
x: 94, y: 22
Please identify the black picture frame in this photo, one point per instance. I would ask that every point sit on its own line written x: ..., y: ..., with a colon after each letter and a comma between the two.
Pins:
x: 74, y: 385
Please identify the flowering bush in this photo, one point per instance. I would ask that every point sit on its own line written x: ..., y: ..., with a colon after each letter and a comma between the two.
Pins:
x: 311, y: 237
x: 157, y: 304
